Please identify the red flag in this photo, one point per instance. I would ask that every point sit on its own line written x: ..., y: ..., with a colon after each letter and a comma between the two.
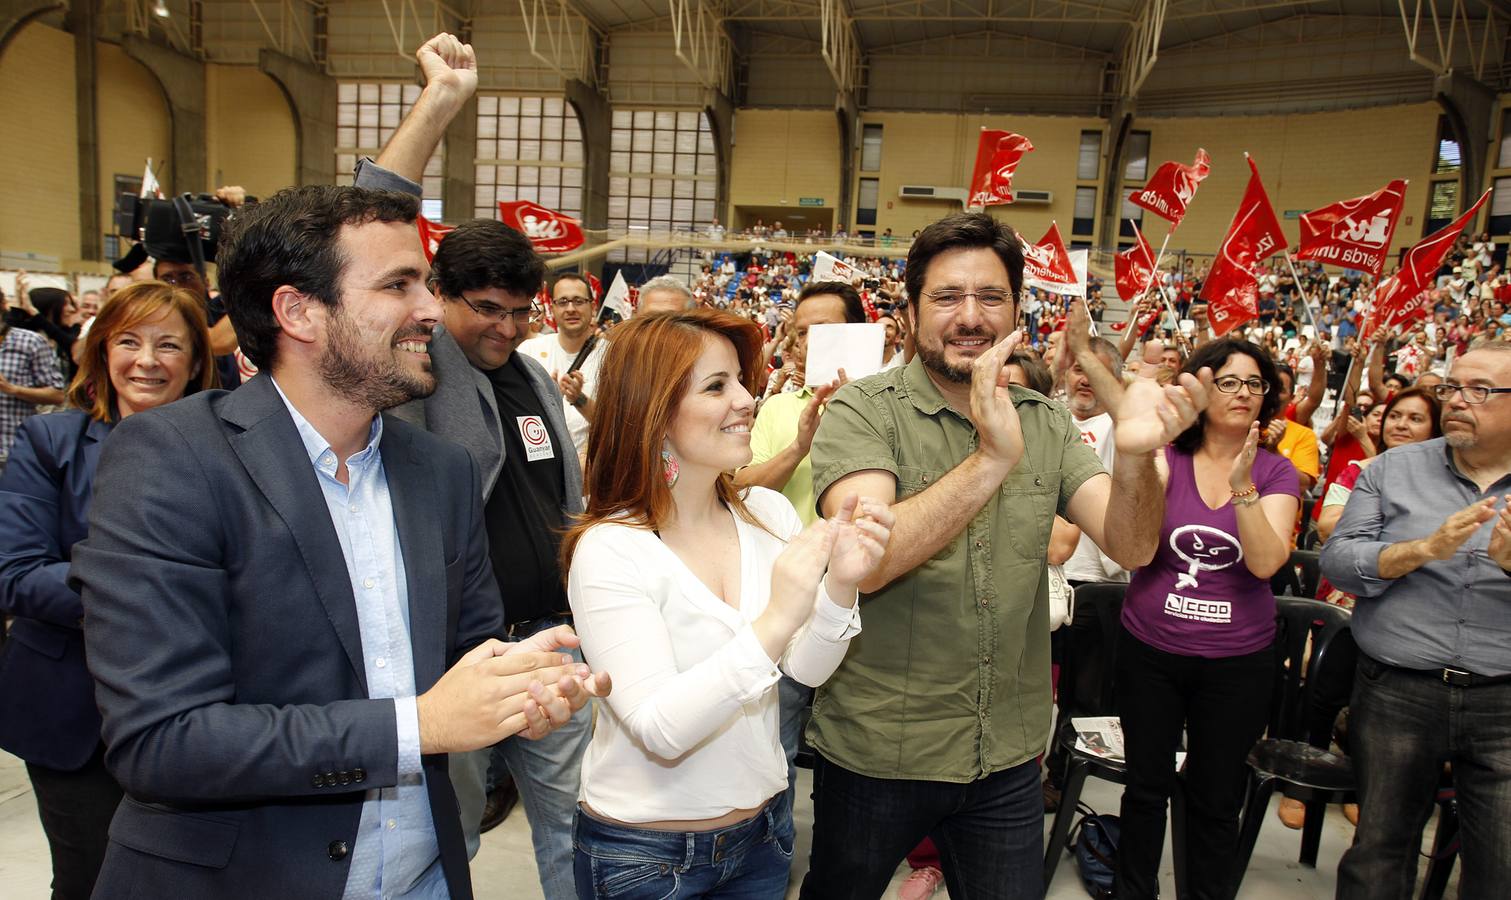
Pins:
x: 595, y: 286
x: 997, y: 157
x: 1403, y: 296
x: 547, y: 229
x: 1047, y: 264
x: 1232, y: 287
x: 430, y: 235
x: 1354, y: 233
x: 1232, y: 295
x: 1170, y: 190
x: 1134, y: 268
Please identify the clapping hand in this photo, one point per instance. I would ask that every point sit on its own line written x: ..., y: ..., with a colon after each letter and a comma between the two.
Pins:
x: 1149, y: 416
x: 992, y: 412
x: 862, y: 528
x: 1241, y: 475
x: 1500, y: 538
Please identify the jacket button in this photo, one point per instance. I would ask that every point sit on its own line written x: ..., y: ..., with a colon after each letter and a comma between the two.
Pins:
x: 337, y: 850
x: 359, y: 775
x: 345, y: 778
x: 330, y: 779
x: 319, y: 781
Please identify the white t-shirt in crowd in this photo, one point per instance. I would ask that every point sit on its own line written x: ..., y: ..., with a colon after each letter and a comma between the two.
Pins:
x: 1089, y: 563
x: 546, y: 350
x: 691, y: 729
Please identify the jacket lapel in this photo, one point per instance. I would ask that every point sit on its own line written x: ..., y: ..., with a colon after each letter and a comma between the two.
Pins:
x: 273, y: 455
x: 412, y: 486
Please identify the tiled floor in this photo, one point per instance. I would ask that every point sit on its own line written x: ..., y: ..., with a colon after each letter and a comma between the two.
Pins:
x: 505, y: 866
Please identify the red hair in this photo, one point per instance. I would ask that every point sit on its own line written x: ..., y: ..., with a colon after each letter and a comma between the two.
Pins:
x: 645, y: 374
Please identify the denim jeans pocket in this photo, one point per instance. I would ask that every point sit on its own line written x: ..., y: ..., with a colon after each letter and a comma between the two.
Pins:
x: 633, y: 879
x: 1371, y: 669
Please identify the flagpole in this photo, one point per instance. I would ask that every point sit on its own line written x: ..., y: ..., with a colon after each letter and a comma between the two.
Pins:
x: 1306, y: 302
x: 1180, y: 337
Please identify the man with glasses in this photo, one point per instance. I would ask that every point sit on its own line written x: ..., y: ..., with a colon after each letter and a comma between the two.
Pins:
x: 507, y: 411
x: 573, y: 354
x: 1425, y: 546
x: 932, y: 725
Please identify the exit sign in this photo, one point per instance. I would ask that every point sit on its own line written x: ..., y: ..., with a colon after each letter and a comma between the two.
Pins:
x: 810, y: 201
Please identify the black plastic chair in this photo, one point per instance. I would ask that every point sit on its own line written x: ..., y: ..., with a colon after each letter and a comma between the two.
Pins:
x: 1314, y: 679
x: 1299, y: 577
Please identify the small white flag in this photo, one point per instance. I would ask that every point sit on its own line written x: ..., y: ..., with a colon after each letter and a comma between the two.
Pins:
x: 617, y: 297
x: 150, y: 187
x: 827, y: 267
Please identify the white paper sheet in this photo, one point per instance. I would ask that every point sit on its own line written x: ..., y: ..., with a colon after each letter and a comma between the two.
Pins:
x: 855, y: 348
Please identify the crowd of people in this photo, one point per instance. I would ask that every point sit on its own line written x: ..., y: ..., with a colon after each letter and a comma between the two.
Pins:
x: 310, y: 575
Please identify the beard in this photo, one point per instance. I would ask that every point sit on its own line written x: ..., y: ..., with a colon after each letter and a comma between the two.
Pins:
x: 371, y: 380
x: 933, y: 359
x: 1456, y: 438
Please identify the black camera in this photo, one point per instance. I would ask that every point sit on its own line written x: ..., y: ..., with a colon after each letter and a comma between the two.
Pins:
x: 184, y: 229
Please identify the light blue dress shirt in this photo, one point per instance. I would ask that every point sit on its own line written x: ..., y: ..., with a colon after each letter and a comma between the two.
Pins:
x: 395, y: 853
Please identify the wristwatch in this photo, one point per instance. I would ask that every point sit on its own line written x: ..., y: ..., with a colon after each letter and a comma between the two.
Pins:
x: 580, y: 400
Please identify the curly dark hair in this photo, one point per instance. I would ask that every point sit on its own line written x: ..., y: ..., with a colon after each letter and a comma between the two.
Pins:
x: 292, y: 238
x: 1214, y: 355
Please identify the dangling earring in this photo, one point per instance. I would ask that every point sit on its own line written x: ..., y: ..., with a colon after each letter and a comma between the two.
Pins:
x: 669, y: 468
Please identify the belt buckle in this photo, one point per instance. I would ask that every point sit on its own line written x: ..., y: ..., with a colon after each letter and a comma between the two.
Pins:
x: 1457, y: 677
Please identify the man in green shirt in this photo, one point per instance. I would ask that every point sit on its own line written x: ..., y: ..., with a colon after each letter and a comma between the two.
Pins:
x: 931, y: 726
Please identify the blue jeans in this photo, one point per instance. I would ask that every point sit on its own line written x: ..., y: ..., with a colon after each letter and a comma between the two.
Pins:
x: 990, y: 833
x: 748, y: 861
x: 547, y: 775
x: 1402, y: 727
x: 793, y: 697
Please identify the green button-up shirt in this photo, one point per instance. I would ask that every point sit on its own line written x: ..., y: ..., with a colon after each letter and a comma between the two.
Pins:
x: 950, y: 680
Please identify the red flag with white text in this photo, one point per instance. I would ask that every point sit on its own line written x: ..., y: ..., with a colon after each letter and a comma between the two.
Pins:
x: 1403, y: 296
x: 1047, y: 264
x: 430, y: 235
x: 1169, y: 192
x: 1135, y: 268
x: 549, y: 230
x: 1232, y: 287
x: 1354, y: 233
x: 997, y: 156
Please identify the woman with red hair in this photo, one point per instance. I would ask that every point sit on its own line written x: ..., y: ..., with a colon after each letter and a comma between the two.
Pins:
x: 696, y: 597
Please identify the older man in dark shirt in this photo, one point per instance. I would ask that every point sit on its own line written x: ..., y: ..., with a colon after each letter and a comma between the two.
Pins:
x: 1430, y: 562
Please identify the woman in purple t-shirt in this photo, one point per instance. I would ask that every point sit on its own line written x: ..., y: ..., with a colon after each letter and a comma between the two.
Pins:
x: 1196, y: 651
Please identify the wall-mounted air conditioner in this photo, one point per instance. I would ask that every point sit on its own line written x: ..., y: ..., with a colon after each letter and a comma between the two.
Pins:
x: 930, y: 192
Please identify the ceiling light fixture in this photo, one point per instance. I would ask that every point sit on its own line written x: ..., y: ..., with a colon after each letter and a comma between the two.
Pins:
x: 160, y: 9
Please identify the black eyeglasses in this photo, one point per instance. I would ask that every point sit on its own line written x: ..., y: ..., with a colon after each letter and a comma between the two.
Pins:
x: 520, y: 316
x: 1473, y: 393
x: 1229, y: 384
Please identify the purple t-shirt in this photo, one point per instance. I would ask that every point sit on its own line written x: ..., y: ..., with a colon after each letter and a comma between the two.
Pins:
x: 1197, y: 598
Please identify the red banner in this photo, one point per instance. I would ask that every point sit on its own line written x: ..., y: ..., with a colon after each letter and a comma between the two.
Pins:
x: 1232, y: 295
x: 1169, y: 192
x: 997, y: 156
x: 1354, y: 233
x: 430, y: 235
x: 1404, y: 295
x: 1134, y: 268
x: 549, y: 230
x: 1047, y: 264
x: 1232, y: 287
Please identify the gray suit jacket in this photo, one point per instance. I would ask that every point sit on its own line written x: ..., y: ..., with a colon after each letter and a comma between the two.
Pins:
x: 463, y: 409
x: 222, y: 633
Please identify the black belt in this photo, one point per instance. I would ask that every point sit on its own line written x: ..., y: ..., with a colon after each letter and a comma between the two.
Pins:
x: 529, y: 625
x: 1456, y: 677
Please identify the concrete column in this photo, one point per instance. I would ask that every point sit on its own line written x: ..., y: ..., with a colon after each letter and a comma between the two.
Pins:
x: 1120, y: 123
x: 721, y: 118
x: 1470, y: 107
x: 593, y: 116
x: 183, y: 81
x: 312, y: 97
x: 848, y: 112
x: 81, y: 22
x: 460, y: 172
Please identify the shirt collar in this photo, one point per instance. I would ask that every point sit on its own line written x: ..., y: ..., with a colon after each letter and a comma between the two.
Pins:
x: 321, y: 455
x: 923, y: 393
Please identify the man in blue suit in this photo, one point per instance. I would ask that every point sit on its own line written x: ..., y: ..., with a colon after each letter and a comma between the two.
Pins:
x: 289, y: 608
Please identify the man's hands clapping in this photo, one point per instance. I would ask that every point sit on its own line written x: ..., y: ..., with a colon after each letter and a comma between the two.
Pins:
x: 1149, y: 416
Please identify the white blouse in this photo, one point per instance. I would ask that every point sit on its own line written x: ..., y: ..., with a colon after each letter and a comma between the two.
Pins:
x: 690, y: 730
